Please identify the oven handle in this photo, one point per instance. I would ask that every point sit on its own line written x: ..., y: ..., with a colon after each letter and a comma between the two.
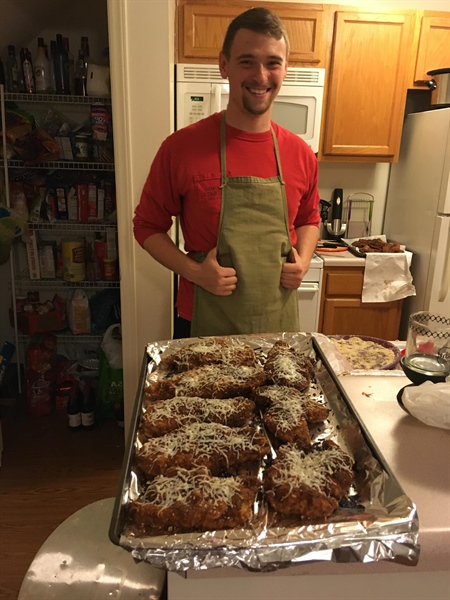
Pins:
x: 308, y: 287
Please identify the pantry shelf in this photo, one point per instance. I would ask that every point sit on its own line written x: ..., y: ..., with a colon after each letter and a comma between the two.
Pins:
x: 72, y: 226
x: 61, y: 165
x: 56, y: 98
x: 84, y: 338
x: 24, y: 281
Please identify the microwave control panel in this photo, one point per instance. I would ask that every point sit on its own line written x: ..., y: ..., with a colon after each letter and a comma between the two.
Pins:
x: 196, y: 107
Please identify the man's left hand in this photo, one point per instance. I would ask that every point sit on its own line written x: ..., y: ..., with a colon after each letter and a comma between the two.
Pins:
x: 293, y: 272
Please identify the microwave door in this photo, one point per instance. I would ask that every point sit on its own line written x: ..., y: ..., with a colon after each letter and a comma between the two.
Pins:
x: 220, y: 95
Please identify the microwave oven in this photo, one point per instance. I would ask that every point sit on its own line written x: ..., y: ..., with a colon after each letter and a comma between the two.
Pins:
x: 201, y: 91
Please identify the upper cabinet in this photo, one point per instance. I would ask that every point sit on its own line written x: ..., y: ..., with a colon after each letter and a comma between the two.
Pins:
x: 372, y: 57
x: 433, y: 50
x: 367, y: 83
x: 202, y: 27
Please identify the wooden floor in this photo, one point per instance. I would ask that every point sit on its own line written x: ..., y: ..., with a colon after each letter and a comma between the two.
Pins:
x: 47, y: 474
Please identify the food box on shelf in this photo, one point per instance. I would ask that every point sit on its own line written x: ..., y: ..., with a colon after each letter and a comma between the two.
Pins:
x: 31, y: 323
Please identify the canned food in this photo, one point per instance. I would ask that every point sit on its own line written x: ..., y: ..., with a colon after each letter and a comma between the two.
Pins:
x: 109, y: 269
x: 74, y: 259
x: 82, y: 142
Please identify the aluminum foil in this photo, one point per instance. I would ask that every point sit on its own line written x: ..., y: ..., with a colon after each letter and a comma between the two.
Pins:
x: 375, y: 521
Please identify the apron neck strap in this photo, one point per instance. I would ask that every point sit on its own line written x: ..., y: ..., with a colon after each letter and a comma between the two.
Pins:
x: 223, y: 153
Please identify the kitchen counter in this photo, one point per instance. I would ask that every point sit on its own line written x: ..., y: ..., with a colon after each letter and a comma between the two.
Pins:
x: 341, y: 259
x: 419, y: 458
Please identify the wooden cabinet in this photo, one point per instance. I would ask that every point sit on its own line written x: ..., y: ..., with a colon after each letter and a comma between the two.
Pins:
x: 342, y: 311
x: 367, y: 86
x: 202, y: 27
x: 433, y: 51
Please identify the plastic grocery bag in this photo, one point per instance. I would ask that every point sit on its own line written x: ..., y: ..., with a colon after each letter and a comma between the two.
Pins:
x: 429, y: 402
x: 110, y: 386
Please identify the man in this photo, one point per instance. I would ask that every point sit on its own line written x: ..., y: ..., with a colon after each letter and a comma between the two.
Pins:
x: 246, y: 193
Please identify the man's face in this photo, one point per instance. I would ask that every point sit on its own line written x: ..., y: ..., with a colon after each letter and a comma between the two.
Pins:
x: 255, y: 70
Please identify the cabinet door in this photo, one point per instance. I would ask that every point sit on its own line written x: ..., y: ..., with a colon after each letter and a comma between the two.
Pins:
x: 350, y: 316
x: 202, y: 28
x: 434, y: 46
x: 367, y: 86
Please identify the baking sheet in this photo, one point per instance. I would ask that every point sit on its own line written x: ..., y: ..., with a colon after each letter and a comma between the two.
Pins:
x: 376, y: 521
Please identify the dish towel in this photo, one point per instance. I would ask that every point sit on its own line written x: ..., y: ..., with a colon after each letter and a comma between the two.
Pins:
x: 387, y: 277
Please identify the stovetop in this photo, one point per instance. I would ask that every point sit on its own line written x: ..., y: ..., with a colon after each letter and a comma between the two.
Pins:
x: 316, y: 262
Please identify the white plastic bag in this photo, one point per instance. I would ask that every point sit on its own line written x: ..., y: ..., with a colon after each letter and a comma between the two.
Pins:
x: 112, y: 346
x: 429, y: 402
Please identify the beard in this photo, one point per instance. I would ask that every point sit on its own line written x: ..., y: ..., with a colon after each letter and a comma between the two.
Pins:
x: 256, y: 110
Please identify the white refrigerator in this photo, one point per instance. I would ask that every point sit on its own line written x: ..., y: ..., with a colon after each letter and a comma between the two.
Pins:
x: 418, y: 208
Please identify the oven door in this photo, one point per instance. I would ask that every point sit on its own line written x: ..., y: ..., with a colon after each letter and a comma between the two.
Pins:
x: 308, y: 295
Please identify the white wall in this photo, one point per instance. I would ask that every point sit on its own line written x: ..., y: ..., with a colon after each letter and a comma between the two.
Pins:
x: 142, y: 36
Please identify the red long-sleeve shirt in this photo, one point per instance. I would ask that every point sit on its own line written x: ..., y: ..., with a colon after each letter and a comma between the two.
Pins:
x: 184, y: 181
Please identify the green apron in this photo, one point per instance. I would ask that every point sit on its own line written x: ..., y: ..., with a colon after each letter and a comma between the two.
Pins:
x: 253, y: 239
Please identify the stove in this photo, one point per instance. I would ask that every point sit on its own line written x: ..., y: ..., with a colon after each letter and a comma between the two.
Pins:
x: 309, y: 294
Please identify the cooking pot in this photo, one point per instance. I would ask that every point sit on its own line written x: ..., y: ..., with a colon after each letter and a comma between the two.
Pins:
x: 440, y: 86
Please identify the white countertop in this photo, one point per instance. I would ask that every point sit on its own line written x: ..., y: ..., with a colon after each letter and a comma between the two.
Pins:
x: 418, y: 455
x: 341, y: 259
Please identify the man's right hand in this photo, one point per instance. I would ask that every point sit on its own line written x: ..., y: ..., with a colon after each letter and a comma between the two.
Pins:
x: 215, y: 279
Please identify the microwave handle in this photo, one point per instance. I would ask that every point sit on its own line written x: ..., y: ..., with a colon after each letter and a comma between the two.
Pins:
x: 215, y: 98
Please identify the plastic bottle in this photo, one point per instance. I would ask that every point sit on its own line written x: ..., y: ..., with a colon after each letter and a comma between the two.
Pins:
x: 74, y: 410
x: 52, y: 58
x: 85, y: 50
x: 70, y: 65
x: 42, y: 69
x: 27, y: 71
x: 61, y: 63
x: 80, y: 76
x: 12, y: 71
x: 88, y: 407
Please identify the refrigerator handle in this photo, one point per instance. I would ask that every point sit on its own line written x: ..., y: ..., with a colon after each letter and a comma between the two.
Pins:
x: 215, y: 98
x: 445, y: 280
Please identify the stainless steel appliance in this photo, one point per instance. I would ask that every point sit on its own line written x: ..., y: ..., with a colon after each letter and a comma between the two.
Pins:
x: 201, y: 91
x: 336, y: 228
x: 440, y: 86
x: 418, y: 209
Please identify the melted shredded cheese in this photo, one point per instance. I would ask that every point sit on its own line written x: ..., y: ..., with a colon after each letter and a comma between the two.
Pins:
x: 364, y: 354
x: 164, y: 491
x: 203, y: 438
x: 211, y: 350
x: 216, y: 377
x: 182, y: 407
x: 311, y: 469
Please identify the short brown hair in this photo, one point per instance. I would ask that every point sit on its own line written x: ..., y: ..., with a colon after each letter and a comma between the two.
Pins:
x: 259, y: 20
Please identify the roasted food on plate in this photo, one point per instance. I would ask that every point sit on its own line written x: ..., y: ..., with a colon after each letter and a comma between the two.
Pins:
x: 219, y: 448
x: 166, y: 415
x: 209, y: 351
x: 285, y: 366
x: 210, y: 381
x: 194, y: 500
x: 308, y: 484
x: 268, y: 395
x: 376, y: 245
